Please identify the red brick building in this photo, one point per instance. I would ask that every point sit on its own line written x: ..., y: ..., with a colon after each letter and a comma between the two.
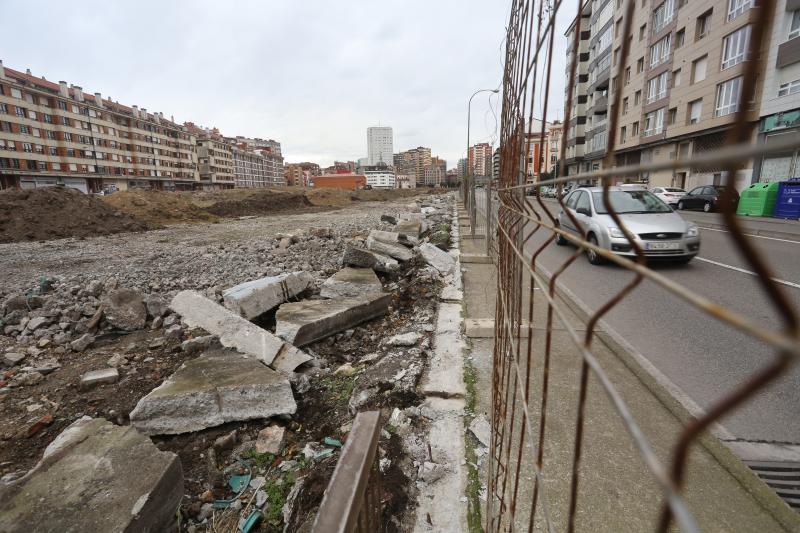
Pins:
x: 340, y: 181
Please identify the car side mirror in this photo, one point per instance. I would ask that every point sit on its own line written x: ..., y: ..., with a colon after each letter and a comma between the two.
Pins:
x: 584, y: 211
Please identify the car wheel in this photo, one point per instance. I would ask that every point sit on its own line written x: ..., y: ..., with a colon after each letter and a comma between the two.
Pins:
x: 707, y: 207
x: 680, y: 206
x: 560, y: 240
x: 594, y: 257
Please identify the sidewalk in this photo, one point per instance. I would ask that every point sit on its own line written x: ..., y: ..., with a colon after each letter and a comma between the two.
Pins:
x: 616, y: 490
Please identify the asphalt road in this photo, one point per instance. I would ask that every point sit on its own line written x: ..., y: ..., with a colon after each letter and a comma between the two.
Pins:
x: 701, y: 355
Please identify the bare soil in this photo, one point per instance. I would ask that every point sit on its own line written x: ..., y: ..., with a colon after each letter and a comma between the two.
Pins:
x: 58, y: 212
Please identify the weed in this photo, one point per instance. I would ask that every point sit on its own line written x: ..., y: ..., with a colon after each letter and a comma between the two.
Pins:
x: 473, y: 477
x: 261, y: 460
x: 277, y: 490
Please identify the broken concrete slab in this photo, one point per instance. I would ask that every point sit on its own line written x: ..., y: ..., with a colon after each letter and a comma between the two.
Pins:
x: 219, y: 386
x: 393, y: 237
x: 253, y: 298
x: 270, y: 440
x: 234, y: 331
x: 437, y: 258
x: 410, y: 338
x: 289, y: 358
x: 125, y: 309
x: 411, y: 229
x: 359, y: 257
x: 351, y: 282
x: 302, y: 323
x: 99, y: 377
x: 481, y: 429
x: 397, y: 251
x: 395, y: 376
x: 95, y: 476
x: 445, y: 376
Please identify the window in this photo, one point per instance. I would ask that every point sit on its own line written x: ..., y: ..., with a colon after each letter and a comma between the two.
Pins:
x: 36, y: 132
x: 680, y: 37
x: 583, y: 202
x: 627, y: 75
x: 623, y: 134
x: 676, y: 78
x: 42, y: 165
x: 19, y: 111
x: 27, y: 147
x: 68, y: 136
x: 47, y: 118
x: 654, y: 122
x: 734, y: 47
x: 70, y: 152
x: 635, y: 128
x: 699, y: 69
x: 53, y: 150
x: 62, y: 105
x: 23, y: 129
x: 624, y: 105
x: 657, y: 87
x: 673, y: 116
x: 660, y: 50
x: 50, y: 134
x: 789, y: 88
x: 663, y: 15
x: 76, y: 109
x: 737, y: 7
x: 64, y: 121
x: 637, y: 97
x: 642, y: 32
x: 640, y: 65
x: 31, y: 164
x: 32, y: 115
x: 703, y: 25
x: 16, y: 93
x: 728, y: 94
x: 73, y: 167
x: 794, y: 28
x: 3, y: 108
x: 55, y: 166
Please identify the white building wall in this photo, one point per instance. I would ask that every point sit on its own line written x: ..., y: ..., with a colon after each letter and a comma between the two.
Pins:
x: 380, y: 145
x: 775, y: 77
x: 380, y: 179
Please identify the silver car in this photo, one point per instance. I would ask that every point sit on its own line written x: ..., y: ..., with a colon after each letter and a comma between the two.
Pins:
x: 659, y: 231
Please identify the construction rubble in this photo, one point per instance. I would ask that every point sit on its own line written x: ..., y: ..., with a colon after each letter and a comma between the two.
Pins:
x: 182, y: 392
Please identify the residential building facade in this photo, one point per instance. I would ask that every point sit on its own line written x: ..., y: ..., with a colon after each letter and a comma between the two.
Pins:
x: 413, y: 161
x: 52, y: 133
x: 249, y: 168
x: 215, y: 157
x: 480, y: 160
x: 380, y: 145
x: 380, y: 176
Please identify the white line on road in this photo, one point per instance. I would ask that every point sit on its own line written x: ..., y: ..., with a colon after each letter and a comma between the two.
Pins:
x: 750, y: 235
x: 737, y: 269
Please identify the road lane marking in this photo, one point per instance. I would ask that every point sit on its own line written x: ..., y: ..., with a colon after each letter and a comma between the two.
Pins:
x: 737, y: 269
x: 750, y: 235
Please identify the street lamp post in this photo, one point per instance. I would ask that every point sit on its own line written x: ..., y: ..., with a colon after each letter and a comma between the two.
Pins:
x: 470, y: 178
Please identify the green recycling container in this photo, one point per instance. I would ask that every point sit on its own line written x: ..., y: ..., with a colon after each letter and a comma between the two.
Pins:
x: 758, y: 200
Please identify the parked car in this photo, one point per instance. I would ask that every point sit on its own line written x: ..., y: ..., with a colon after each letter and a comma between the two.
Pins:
x: 668, y: 195
x: 633, y: 186
x: 659, y: 231
x: 705, y: 197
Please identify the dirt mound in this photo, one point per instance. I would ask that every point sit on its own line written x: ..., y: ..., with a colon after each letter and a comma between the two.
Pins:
x: 158, y: 207
x: 58, y: 212
x: 343, y: 197
x: 258, y: 202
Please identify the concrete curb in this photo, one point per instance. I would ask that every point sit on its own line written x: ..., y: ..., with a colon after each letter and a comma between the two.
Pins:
x: 684, y: 409
x: 440, y: 506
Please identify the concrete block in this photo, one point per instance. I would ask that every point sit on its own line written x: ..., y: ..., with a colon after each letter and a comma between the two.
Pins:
x: 437, y: 258
x: 394, y: 237
x: 125, y: 309
x: 361, y: 258
x: 445, y: 369
x: 411, y: 228
x: 253, y: 298
x: 219, y: 386
x: 233, y: 331
x: 397, y: 251
x: 95, y: 476
x: 99, y: 377
x: 302, y: 323
x: 350, y: 282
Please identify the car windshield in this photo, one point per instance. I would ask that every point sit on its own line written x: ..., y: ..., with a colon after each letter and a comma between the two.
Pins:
x: 630, y: 202
x: 670, y: 189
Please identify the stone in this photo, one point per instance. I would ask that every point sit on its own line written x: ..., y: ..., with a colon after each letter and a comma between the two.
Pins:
x: 437, y: 258
x: 397, y: 251
x: 410, y: 228
x: 392, y: 237
x: 174, y: 332
x: 389, y: 219
x: 345, y: 370
x: 13, y: 358
x: 197, y: 344
x: 219, y: 386
x: 321, y: 233
x: 225, y: 442
x: 99, y: 377
x: 62, y: 338
x: 157, y: 322
x: 359, y: 257
x: 36, y: 323
x: 254, y: 298
x: 396, y: 374
x: 270, y: 440
x: 302, y: 323
x: 156, y: 306
x: 125, y: 309
x: 82, y: 342
x: 404, y: 339
x: 350, y: 282
x: 481, y: 429
x: 116, y: 360
x: 236, y: 332
x: 94, y: 288
x: 95, y: 476
x: 28, y: 379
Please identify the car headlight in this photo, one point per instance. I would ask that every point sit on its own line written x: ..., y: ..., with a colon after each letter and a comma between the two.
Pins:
x: 692, y: 231
x: 616, y: 232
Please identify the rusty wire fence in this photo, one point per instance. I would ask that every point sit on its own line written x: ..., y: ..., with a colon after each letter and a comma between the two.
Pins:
x: 519, y: 484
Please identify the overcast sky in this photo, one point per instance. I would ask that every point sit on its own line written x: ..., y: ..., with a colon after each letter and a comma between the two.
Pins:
x: 311, y: 74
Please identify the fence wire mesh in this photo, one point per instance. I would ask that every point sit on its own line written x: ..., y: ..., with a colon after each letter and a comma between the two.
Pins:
x: 508, y: 218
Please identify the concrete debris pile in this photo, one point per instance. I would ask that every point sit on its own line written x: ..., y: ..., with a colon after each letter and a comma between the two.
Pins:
x: 245, y: 388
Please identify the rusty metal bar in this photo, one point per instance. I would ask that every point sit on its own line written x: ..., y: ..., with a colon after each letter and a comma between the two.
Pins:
x: 352, y: 500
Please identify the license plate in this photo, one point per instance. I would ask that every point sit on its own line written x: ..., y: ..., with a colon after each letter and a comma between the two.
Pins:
x: 663, y: 246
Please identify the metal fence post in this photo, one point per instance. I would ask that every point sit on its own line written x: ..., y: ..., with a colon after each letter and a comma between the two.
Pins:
x: 488, y: 191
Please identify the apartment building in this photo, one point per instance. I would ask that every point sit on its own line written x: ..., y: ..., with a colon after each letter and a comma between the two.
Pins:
x: 435, y: 174
x: 249, y: 169
x: 413, y: 162
x: 380, y: 176
x: 215, y: 161
x: 480, y: 160
x: 301, y: 174
x: 542, y: 150
x: 53, y: 133
x: 380, y: 145
x: 780, y: 101
x: 679, y: 86
x: 575, y: 134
